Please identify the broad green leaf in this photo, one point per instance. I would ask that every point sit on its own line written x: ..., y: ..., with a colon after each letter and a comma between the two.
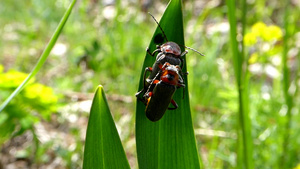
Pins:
x: 43, y: 57
x: 103, y: 147
x: 169, y: 142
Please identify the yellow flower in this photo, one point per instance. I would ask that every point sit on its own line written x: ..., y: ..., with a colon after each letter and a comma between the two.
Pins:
x: 1, y: 68
x: 264, y: 32
x: 250, y: 39
x: 12, y: 79
x: 297, y: 167
x: 272, y: 32
x: 258, y: 29
x: 253, y: 58
x: 41, y: 92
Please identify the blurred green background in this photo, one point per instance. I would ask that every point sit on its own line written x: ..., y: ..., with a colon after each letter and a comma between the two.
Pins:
x: 104, y: 43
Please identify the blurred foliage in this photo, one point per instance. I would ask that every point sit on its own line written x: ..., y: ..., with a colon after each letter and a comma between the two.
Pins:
x: 104, y: 43
x: 35, y: 103
x: 264, y: 32
x: 297, y: 167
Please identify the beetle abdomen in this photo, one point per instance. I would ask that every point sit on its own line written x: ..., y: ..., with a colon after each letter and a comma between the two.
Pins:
x: 159, y: 101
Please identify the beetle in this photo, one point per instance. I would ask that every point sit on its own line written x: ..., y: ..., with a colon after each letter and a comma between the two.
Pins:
x: 160, y: 92
x: 168, y: 52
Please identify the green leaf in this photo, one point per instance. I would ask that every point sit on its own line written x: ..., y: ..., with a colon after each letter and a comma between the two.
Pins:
x: 103, y: 147
x: 43, y: 57
x: 170, y: 142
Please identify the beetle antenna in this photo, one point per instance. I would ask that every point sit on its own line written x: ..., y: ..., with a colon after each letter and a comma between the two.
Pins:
x: 192, y: 50
x: 159, y: 26
x: 167, y: 38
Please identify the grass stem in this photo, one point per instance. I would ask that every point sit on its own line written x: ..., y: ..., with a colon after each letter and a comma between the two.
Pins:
x: 244, y: 152
x: 286, y: 85
x: 43, y: 57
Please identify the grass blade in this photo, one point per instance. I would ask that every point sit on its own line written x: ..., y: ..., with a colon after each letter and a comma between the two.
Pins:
x: 170, y: 142
x: 288, y: 98
x: 244, y: 149
x: 103, y: 147
x: 43, y: 57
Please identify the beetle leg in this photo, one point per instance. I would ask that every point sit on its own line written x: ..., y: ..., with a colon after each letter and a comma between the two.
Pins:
x: 148, y: 97
x: 154, y: 81
x: 148, y: 69
x: 149, y: 94
x: 138, y: 93
x: 182, y: 54
x: 166, y: 64
x: 183, y: 90
x: 181, y: 80
x: 151, y: 86
x: 142, y: 100
x: 153, y: 53
x: 181, y: 83
x: 174, y: 104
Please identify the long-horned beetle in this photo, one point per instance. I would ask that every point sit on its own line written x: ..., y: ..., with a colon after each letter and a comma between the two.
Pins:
x: 157, y: 90
x: 167, y: 52
x: 160, y: 92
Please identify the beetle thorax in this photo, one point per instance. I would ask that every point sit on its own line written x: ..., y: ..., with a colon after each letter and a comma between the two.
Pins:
x: 170, y: 74
x: 171, y: 47
x: 170, y: 77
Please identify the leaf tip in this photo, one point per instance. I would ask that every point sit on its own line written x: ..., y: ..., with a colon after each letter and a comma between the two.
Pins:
x: 99, y: 89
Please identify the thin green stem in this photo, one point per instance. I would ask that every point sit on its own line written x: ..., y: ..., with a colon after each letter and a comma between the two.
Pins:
x: 43, y: 57
x: 286, y: 85
x: 244, y: 152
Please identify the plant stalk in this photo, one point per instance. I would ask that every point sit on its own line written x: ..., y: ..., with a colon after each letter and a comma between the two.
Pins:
x: 286, y: 85
x: 244, y: 152
x: 43, y: 57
